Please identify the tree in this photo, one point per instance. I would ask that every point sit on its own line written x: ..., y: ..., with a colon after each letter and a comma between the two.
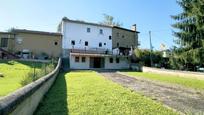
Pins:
x: 109, y: 20
x: 190, y: 34
x: 143, y: 56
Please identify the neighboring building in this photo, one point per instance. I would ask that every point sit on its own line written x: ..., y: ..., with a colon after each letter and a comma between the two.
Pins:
x: 125, y: 39
x: 90, y: 45
x: 32, y: 44
x: 7, y: 41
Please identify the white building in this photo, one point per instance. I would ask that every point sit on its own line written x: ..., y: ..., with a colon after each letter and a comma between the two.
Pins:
x: 89, y: 46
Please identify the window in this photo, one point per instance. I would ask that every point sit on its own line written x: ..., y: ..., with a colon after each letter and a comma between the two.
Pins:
x: 76, y: 59
x: 101, y: 31
x: 110, y: 38
x: 111, y: 60
x: 73, y: 42
x: 86, y: 43
x: 117, y: 34
x: 56, y: 43
x: 4, y: 42
x: 100, y: 44
x: 123, y: 36
x: 83, y: 59
x: 104, y: 44
x: 88, y: 30
x: 117, y: 44
x: 117, y: 60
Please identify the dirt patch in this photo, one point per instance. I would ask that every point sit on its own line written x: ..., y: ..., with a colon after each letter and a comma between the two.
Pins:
x: 181, y: 99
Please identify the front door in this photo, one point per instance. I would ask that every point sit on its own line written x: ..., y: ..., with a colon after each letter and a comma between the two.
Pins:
x: 96, y: 62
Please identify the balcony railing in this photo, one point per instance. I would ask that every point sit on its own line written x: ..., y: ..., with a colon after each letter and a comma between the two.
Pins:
x: 100, y: 51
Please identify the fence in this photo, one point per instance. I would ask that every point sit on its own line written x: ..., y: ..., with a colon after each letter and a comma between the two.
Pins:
x: 25, y: 100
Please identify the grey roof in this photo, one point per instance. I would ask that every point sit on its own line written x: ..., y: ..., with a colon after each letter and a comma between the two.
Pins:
x: 95, y: 24
x: 35, y: 32
x: 125, y: 29
x: 6, y: 33
x: 88, y: 23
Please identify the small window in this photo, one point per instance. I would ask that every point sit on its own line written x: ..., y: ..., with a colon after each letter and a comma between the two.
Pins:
x: 104, y: 44
x: 117, y: 34
x: 56, y: 43
x: 83, y: 59
x: 123, y: 36
x: 73, y: 42
x: 117, y: 60
x: 100, y: 44
x: 101, y: 31
x: 76, y: 59
x: 86, y: 43
x: 111, y: 60
x: 4, y: 42
x: 110, y: 37
x: 88, y: 30
x: 117, y: 44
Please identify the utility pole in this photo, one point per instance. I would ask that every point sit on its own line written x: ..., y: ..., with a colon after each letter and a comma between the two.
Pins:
x: 150, y: 40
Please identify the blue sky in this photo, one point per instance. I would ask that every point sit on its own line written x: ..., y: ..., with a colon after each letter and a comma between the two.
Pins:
x: 45, y: 15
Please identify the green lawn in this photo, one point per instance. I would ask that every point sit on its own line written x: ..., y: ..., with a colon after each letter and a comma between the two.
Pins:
x: 87, y: 93
x: 13, y: 72
x: 187, y: 82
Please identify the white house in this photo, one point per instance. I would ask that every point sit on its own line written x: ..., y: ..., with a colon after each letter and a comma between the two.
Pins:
x: 89, y: 46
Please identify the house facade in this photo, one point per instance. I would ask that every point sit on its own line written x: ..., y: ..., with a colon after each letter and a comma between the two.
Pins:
x: 90, y: 46
x: 30, y: 44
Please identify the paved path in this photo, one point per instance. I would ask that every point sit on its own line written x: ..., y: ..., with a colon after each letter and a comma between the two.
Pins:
x: 181, y: 99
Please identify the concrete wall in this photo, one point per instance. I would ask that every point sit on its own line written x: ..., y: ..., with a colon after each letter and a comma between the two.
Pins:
x: 79, y: 65
x: 25, y: 100
x: 197, y: 75
x: 78, y: 32
x: 39, y: 43
x: 124, y: 63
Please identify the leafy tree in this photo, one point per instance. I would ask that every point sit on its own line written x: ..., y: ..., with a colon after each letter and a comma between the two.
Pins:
x: 143, y: 56
x: 190, y: 34
x: 109, y: 20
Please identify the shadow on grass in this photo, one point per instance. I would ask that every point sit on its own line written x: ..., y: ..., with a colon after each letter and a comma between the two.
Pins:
x: 55, y: 101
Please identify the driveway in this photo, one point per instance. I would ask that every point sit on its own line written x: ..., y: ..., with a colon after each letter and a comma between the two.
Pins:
x: 179, y: 98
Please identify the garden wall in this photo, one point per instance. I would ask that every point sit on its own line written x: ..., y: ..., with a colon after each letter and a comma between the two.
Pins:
x: 25, y: 100
x: 197, y: 75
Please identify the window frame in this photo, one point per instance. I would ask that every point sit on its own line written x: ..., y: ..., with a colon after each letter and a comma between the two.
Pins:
x: 110, y: 38
x: 86, y: 43
x: 117, y: 60
x: 100, y: 31
x: 83, y: 59
x: 110, y: 60
x: 88, y: 30
x: 76, y: 59
x: 4, y: 42
x: 100, y: 44
x: 73, y: 42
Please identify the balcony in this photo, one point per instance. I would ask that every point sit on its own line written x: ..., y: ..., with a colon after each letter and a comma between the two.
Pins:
x: 100, y: 51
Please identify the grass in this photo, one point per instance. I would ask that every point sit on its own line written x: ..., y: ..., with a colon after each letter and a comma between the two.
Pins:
x: 13, y: 72
x: 187, y: 82
x: 87, y: 93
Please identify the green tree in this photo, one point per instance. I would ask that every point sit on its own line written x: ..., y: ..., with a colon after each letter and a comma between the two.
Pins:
x: 190, y: 32
x: 109, y: 20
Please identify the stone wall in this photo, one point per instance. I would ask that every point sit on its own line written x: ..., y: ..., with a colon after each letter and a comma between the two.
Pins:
x: 25, y: 100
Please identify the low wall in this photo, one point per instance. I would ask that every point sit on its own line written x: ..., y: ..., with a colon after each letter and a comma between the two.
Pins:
x: 197, y: 75
x: 25, y: 100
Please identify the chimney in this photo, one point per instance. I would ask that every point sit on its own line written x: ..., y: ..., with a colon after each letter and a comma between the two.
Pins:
x: 134, y: 27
